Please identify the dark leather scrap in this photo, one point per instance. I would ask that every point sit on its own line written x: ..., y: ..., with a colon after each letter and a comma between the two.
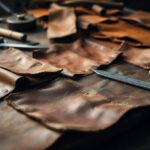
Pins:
x: 65, y: 105
x: 20, y: 63
x: 139, y: 17
x: 18, y: 132
x: 122, y: 29
x: 81, y: 56
x: 62, y: 22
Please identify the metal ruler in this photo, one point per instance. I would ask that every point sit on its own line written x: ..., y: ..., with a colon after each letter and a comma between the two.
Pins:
x: 124, y: 79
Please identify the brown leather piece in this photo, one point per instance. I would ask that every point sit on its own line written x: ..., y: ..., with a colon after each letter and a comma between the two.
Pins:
x: 138, y: 56
x: 82, y: 10
x: 21, y: 63
x: 84, y: 21
x: 7, y: 82
x: 71, y: 109
x: 122, y: 29
x: 82, y: 56
x: 38, y: 13
x: 18, y: 132
x: 139, y: 17
x: 62, y: 22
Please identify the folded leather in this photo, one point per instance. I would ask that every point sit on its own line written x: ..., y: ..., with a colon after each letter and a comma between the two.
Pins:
x: 123, y: 29
x: 71, y: 109
x: 23, y: 64
x: 139, y: 17
x: 62, y: 22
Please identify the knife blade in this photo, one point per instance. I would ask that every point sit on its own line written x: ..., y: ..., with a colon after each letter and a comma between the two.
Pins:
x: 23, y: 46
x: 124, y: 79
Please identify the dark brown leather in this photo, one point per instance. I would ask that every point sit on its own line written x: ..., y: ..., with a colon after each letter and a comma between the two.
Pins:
x: 21, y: 63
x: 119, y: 92
x: 62, y: 22
x: 139, y: 17
x: 82, y: 56
x: 72, y: 108
x: 123, y: 29
x: 18, y: 132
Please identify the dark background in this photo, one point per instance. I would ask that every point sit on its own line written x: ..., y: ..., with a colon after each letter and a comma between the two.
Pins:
x: 136, y: 4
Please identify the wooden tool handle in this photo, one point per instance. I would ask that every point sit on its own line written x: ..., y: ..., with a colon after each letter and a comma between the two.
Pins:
x: 13, y: 35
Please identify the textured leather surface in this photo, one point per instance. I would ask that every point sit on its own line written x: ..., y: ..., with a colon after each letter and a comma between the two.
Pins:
x: 20, y: 63
x: 19, y: 132
x: 71, y: 109
x: 81, y: 56
x: 62, y: 22
x: 139, y: 17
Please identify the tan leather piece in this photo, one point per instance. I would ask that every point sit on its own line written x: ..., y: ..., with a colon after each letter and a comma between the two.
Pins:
x: 84, y: 21
x: 140, y: 17
x: 38, y: 13
x: 138, y: 56
x: 62, y: 22
x: 7, y: 82
x: 20, y: 63
x: 71, y: 109
x: 123, y: 29
x: 80, y: 57
x: 18, y: 132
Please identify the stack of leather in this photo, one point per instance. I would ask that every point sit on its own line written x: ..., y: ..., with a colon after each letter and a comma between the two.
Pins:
x: 52, y: 99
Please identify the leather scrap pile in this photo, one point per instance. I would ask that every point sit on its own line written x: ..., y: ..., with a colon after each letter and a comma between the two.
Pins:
x: 46, y: 94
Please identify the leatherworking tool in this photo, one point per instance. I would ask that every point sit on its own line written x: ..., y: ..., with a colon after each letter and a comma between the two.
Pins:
x: 124, y: 79
x: 21, y: 22
x: 4, y: 44
x: 13, y: 35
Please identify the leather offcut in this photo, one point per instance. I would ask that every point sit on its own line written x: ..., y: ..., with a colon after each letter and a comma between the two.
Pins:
x: 62, y: 22
x: 81, y: 56
x: 71, y: 109
x: 20, y: 63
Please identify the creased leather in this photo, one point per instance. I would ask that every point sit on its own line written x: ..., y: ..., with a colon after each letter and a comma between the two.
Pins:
x: 71, y: 109
x: 62, y: 22
x: 138, y: 56
x: 20, y: 63
x: 122, y: 29
x: 7, y: 82
x: 17, y: 132
x: 80, y: 57
x: 139, y: 17
x: 84, y: 21
x: 82, y: 10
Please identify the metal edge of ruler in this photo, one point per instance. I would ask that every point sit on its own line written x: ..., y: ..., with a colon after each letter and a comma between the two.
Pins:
x: 124, y: 79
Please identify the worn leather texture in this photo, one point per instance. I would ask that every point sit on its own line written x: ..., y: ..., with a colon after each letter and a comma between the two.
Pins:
x: 62, y: 22
x: 19, y: 132
x: 81, y: 56
x: 21, y: 63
